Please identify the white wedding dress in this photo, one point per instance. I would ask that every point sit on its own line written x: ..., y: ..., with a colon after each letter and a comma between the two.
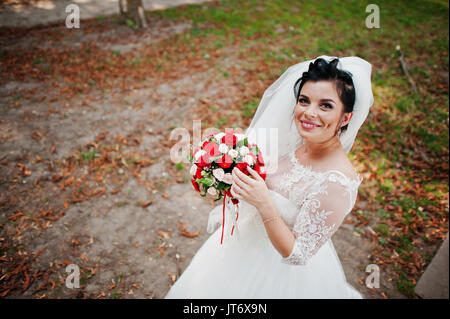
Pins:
x: 246, y: 266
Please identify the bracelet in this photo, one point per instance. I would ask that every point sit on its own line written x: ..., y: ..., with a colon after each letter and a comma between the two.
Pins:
x: 269, y: 219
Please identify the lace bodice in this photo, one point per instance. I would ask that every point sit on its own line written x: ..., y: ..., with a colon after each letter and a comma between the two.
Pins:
x: 321, y: 200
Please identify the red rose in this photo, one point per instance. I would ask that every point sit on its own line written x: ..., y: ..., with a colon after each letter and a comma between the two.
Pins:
x: 196, y: 150
x: 204, y: 161
x: 260, y: 170
x: 212, y: 149
x: 225, y: 161
x: 235, y: 201
x: 229, y: 139
x: 260, y: 159
x: 198, y: 174
x: 195, y: 184
x: 242, y: 167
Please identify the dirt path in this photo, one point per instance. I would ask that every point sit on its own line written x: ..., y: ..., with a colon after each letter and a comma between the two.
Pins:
x: 124, y: 248
x: 16, y: 14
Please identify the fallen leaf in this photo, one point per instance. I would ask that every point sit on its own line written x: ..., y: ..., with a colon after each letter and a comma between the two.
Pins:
x: 190, y: 235
x: 172, y: 276
x: 26, y: 282
x: 100, y: 295
x: 145, y: 204
x: 163, y: 234
x: 41, y: 251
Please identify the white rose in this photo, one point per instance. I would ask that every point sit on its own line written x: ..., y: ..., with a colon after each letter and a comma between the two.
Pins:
x: 212, y: 191
x: 219, y: 173
x: 249, y: 159
x: 199, y: 154
x: 223, y: 148
x: 193, y: 170
x: 233, y: 153
x: 227, y: 178
x: 239, y: 137
x: 219, y: 136
x: 244, y: 150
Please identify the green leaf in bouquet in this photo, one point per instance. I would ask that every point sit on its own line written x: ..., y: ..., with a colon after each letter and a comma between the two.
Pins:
x: 254, y: 151
x: 239, y: 144
x: 245, y: 141
x: 215, y: 158
x: 207, y: 181
x: 222, y: 186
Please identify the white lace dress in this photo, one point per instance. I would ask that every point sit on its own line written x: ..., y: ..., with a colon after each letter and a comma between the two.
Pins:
x: 246, y: 266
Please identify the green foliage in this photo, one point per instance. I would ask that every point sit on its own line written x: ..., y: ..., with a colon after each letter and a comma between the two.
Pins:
x: 89, y: 155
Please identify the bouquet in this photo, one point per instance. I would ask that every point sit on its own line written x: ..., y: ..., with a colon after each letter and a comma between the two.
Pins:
x: 214, y: 160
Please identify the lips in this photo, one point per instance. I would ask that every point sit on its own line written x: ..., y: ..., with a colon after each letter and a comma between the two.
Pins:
x: 309, y: 125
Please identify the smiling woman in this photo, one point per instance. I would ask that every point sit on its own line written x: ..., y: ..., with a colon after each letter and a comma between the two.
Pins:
x: 284, y: 247
x: 336, y: 85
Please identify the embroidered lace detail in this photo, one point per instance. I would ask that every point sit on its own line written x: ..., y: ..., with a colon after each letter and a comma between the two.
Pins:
x: 322, y: 199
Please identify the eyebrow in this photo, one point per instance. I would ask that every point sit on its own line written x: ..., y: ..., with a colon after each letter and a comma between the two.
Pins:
x: 322, y: 100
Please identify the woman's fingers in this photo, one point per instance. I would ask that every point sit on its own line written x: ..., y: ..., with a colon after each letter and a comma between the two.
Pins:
x: 246, y: 179
x: 238, y: 180
x: 238, y: 189
x: 254, y: 174
x: 234, y: 194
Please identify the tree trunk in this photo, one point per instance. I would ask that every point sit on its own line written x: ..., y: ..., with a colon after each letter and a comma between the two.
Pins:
x: 132, y: 12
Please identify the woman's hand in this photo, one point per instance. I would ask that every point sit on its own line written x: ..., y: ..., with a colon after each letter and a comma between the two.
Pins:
x: 252, y: 190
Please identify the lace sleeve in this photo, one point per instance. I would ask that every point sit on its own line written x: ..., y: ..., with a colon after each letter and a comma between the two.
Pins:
x: 319, y: 215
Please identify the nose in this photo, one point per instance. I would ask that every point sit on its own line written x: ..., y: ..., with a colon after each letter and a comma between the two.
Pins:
x: 311, y: 111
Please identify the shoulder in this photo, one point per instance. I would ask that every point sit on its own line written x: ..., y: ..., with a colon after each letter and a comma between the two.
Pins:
x: 344, y: 166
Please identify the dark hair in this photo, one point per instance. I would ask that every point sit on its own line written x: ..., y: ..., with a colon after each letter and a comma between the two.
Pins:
x: 321, y: 70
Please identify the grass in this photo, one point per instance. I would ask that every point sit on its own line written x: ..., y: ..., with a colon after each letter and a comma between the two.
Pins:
x: 89, y: 155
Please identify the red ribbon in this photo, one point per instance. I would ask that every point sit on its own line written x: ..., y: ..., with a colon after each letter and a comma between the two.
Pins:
x: 237, y: 215
x: 223, y: 217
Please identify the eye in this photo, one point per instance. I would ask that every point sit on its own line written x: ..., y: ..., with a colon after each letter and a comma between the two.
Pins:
x: 302, y: 100
x: 327, y: 105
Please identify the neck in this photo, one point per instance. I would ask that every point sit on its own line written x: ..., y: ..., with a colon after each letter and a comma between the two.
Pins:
x: 316, y: 151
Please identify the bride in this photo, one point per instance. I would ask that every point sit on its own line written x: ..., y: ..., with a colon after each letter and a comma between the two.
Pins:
x: 282, y: 247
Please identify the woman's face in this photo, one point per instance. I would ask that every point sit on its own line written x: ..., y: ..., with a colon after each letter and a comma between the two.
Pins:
x: 319, y: 112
